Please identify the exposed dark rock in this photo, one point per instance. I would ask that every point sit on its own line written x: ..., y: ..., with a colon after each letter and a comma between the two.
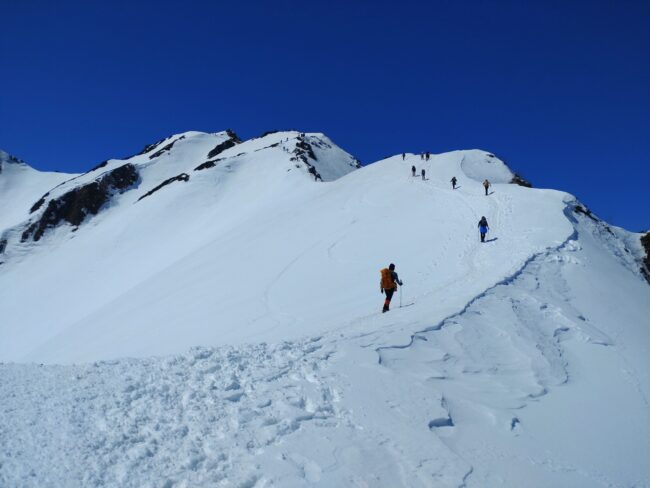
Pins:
x: 166, y: 148
x: 585, y: 211
x: 268, y: 133
x: 518, y: 180
x: 3, y: 245
x: 233, y: 135
x: 645, y: 269
x: 11, y: 159
x: 151, y: 147
x: 227, y: 144
x: 208, y: 164
x: 38, y: 204
x: 304, y: 150
x: 314, y: 173
x: 319, y: 143
x: 579, y: 209
x: 75, y: 205
x: 219, y: 148
x: 180, y: 177
x: 266, y: 147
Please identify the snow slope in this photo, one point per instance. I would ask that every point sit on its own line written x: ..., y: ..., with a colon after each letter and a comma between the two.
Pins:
x: 519, y: 362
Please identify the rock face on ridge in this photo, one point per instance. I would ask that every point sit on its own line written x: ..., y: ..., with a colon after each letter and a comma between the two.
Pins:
x: 74, y: 205
x: 518, y: 180
x: 232, y: 141
x: 645, y: 242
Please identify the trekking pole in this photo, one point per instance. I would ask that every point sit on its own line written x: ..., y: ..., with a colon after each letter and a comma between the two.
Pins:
x: 400, y: 296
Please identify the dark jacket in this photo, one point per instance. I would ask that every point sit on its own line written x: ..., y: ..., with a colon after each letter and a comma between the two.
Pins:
x: 395, y: 278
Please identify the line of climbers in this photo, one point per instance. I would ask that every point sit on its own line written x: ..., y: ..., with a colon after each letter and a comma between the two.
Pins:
x: 389, y: 279
x: 454, y: 180
x: 424, y: 156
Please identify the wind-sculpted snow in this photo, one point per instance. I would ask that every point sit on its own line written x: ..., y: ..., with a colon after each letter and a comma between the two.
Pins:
x: 480, y: 166
x: 495, y: 361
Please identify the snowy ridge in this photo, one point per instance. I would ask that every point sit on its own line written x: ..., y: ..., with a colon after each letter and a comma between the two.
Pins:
x: 522, y: 361
x: 505, y: 281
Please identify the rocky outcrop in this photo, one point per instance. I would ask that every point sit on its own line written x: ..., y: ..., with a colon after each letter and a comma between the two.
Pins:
x: 232, y: 141
x: 3, y: 245
x: 180, y: 177
x: 233, y: 136
x: 208, y: 164
x: 151, y: 147
x: 645, y: 269
x: 304, y: 152
x: 39, y: 204
x: 579, y: 209
x: 73, y: 207
x: 518, y: 180
x: 8, y: 158
x: 166, y: 148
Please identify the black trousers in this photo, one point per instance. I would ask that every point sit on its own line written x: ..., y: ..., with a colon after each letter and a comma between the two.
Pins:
x: 389, y: 296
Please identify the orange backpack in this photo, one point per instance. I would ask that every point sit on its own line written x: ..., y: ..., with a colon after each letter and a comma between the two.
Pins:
x: 387, y: 282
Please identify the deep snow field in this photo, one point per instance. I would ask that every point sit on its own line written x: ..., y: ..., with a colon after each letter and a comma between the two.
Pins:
x: 225, y: 331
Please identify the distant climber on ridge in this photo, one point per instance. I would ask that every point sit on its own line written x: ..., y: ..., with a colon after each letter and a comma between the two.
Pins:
x: 413, y: 170
x: 453, y: 182
x: 403, y: 156
x: 423, y: 174
x: 388, y: 285
x: 486, y: 185
x: 483, y: 227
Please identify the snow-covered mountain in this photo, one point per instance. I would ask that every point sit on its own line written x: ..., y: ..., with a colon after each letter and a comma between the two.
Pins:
x: 241, y: 278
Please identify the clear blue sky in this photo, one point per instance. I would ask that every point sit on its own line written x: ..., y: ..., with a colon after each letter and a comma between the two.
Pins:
x: 559, y: 89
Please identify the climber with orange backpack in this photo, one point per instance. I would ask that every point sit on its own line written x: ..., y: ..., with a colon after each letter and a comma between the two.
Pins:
x: 388, y: 284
